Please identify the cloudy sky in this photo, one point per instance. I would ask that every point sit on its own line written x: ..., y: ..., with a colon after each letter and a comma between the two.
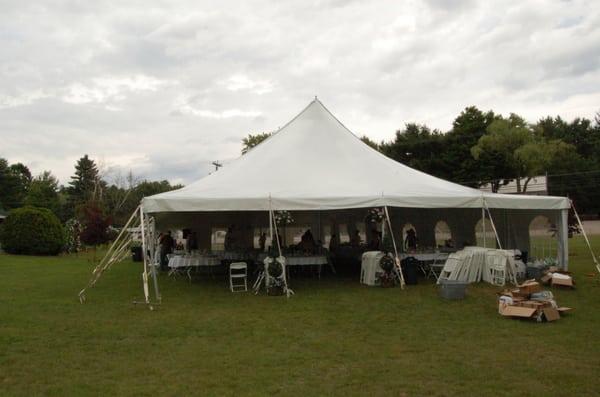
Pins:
x: 164, y: 88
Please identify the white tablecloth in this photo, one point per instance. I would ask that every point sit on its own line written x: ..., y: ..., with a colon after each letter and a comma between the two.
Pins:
x: 426, y: 256
x: 234, y: 256
x: 177, y: 261
x: 308, y: 260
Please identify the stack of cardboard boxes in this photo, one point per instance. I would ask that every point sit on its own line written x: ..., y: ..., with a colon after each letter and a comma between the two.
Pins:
x: 555, y: 277
x: 529, y: 301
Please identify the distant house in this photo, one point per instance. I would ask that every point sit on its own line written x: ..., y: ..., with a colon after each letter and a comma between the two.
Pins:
x: 537, y: 186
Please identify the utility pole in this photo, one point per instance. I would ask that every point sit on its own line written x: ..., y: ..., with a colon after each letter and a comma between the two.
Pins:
x: 217, y: 165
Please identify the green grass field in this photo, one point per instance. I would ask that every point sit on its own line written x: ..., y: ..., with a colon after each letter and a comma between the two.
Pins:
x: 334, y: 337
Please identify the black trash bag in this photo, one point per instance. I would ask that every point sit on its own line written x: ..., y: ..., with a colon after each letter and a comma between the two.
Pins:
x: 410, y: 270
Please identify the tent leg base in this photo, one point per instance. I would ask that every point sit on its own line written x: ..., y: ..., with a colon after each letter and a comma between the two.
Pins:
x: 150, y: 305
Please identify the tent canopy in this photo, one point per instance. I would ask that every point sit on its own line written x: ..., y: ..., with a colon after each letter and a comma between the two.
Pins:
x: 315, y: 163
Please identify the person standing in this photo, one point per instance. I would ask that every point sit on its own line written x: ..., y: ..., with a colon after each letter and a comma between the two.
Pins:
x: 411, y: 240
x: 262, y: 240
x: 166, y: 247
x: 192, y: 242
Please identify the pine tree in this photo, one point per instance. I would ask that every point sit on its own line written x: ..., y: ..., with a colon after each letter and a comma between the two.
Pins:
x: 83, y: 183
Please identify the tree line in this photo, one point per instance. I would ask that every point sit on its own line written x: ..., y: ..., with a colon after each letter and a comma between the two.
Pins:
x: 487, y: 148
x: 89, y: 198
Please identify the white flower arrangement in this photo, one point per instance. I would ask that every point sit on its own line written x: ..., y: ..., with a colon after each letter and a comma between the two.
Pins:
x: 376, y: 215
x: 283, y: 218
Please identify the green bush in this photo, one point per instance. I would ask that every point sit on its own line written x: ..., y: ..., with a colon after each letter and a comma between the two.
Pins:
x: 32, y: 231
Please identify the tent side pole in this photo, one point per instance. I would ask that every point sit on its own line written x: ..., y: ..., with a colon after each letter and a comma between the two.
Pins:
x: 270, y: 222
x: 493, y: 226
x: 288, y: 292
x: 483, y: 226
x: 398, y: 267
x: 152, y: 238
x: 145, y: 273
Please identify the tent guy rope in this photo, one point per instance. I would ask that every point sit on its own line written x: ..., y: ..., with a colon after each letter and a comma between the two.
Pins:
x: 587, y: 241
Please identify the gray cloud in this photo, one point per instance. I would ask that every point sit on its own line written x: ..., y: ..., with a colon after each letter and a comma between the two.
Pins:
x: 164, y: 88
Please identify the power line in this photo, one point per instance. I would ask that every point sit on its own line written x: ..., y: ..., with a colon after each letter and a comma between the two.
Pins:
x: 547, y: 176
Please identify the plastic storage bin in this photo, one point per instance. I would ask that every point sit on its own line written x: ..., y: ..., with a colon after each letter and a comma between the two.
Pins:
x: 452, y: 289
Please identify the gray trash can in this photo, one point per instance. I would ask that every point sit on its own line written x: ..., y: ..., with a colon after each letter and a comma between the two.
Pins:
x: 452, y: 289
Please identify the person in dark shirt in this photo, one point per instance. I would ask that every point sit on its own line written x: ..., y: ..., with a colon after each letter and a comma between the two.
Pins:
x: 192, y: 242
x: 375, y: 243
x: 411, y: 240
x: 262, y: 240
x: 166, y: 247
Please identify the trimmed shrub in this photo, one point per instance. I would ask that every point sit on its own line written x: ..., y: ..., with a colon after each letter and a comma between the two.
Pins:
x: 32, y: 231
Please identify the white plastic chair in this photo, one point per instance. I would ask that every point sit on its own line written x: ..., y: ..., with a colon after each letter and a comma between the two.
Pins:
x: 238, y: 277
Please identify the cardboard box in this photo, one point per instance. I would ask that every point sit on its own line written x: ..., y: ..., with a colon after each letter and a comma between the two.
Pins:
x: 546, y: 278
x: 568, y: 282
x: 534, y: 304
x: 551, y: 314
x: 529, y: 287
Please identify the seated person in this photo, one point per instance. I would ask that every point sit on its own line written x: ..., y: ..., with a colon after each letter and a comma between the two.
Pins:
x: 307, y: 242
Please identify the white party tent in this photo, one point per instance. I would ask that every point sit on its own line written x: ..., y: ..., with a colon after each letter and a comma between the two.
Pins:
x: 320, y: 171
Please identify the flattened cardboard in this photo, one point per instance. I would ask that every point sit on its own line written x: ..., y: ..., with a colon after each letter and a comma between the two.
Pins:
x: 516, y: 311
x: 564, y: 309
x: 551, y: 314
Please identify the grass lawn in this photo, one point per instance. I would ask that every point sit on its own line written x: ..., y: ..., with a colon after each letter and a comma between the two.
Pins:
x: 334, y: 337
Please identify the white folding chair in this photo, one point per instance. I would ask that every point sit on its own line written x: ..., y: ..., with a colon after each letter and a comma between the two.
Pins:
x: 435, y: 268
x: 452, y: 262
x: 238, y: 277
x: 496, y: 262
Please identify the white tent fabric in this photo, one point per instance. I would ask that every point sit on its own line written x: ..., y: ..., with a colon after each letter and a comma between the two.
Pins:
x: 315, y: 163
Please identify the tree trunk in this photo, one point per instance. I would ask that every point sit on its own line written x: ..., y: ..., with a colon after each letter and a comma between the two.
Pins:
x: 495, y: 186
x: 525, y: 185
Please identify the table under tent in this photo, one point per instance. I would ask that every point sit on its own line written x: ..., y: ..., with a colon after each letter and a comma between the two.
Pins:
x: 329, y: 181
